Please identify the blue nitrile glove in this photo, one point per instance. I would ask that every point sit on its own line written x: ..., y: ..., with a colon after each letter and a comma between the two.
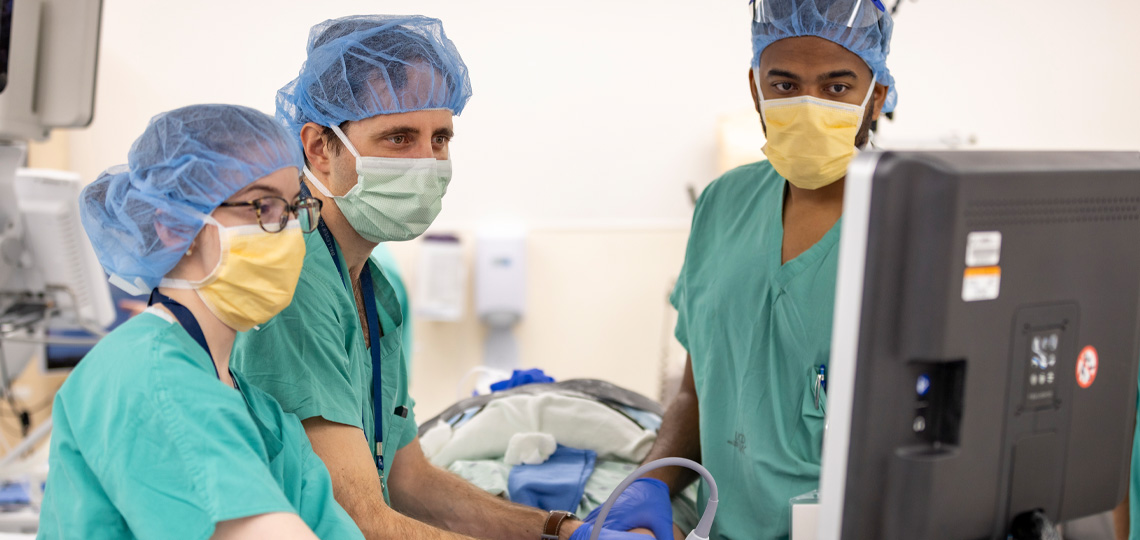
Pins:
x: 584, y: 531
x: 644, y: 504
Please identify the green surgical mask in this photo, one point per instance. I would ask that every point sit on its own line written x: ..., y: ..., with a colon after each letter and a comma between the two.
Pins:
x: 394, y: 199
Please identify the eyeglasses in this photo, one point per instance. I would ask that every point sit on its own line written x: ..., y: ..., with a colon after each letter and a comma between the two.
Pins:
x: 273, y: 212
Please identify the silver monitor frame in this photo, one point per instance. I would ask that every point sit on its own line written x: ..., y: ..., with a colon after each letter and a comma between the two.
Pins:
x: 845, y: 343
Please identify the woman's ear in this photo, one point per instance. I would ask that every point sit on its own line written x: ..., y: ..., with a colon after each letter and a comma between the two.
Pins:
x: 165, y: 234
x: 168, y: 236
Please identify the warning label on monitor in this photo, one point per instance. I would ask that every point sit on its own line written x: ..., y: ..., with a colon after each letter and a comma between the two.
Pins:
x: 983, y: 283
x: 1087, y: 364
x: 983, y: 248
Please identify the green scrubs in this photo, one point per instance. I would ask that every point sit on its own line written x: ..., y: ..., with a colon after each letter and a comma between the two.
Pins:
x: 312, y: 358
x: 148, y: 443
x: 387, y: 262
x: 757, y: 331
x: 1134, y: 482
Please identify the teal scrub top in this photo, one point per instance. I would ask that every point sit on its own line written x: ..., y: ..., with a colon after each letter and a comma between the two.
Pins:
x: 148, y: 443
x: 757, y: 332
x: 387, y: 262
x: 312, y: 358
x: 1134, y: 481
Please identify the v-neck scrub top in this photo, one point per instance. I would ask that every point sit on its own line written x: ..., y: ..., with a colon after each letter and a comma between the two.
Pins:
x: 757, y: 331
x: 312, y: 358
x: 148, y: 443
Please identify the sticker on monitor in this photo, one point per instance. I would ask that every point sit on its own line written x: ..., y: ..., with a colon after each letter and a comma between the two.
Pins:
x: 1087, y: 364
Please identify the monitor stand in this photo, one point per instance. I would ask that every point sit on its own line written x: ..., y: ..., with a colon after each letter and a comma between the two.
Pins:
x: 1033, y: 525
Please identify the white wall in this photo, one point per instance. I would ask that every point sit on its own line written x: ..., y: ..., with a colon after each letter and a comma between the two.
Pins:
x: 590, y: 118
x: 600, y: 111
x: 596, y: 308
x: 597, y: 110
x: 1019, y: 74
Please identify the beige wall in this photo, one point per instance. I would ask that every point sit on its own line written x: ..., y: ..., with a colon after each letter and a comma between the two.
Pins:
x: 591, y: 119
x: 596, y: 307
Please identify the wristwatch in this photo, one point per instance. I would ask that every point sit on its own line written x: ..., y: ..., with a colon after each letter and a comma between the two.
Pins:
x: 554, y: 522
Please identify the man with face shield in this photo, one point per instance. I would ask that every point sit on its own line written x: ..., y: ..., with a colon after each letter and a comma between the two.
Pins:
x: 756, y: 292
x: 372, y: 109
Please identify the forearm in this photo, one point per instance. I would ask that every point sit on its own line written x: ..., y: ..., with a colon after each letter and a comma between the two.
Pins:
x: 1122, y: 515
x: 1120, y: 520
x: 356, y: 484
x: 272, y: 525
x: 679, y: 436
x: 448, y: 501
x: 380, y: 522
x: 383, y: 523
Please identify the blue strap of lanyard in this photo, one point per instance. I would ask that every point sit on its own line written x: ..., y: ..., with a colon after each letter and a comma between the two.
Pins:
x: 368, y: 294
x: 188, y: 322
x: 327, y: 236
x: 373, y: 319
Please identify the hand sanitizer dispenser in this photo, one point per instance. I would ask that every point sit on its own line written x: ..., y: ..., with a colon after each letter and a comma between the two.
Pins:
x: 500, y: 292
x: 442, y: 285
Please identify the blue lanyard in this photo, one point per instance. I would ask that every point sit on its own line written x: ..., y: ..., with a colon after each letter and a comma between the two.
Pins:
x: 368, y: 294
x: 189, y: 323
x: 373, y: 320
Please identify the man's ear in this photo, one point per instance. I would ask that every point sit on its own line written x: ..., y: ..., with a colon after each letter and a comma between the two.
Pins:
x: 755, y: 91
x: 316, y: 147
x: 880, y: 98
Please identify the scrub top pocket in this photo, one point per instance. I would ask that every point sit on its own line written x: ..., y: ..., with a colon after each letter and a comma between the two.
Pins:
x: 808, y: 438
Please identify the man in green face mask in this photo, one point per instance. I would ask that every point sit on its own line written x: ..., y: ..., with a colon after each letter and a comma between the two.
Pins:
x: 756, y: 293
x: 372, y: 109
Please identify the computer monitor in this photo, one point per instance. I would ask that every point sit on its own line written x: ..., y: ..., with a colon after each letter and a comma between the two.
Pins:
x: 51, y: 283
x: 63, y: 263
x: 985, y: 342
x: 49, y: 52
x: 5, y: 40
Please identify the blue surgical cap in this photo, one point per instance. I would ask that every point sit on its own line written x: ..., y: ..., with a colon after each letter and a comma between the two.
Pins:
x: 186, y: 163
x: 365, y: 65
x: 861, y: 26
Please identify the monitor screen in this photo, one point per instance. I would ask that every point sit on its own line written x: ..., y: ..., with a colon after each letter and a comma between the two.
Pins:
x: 5, y: 40
x: 986, y: 341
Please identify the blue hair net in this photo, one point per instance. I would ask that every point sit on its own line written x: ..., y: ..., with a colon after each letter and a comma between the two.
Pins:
x: 365, y: 65
x: 861, y: 26
x: 186, y: 163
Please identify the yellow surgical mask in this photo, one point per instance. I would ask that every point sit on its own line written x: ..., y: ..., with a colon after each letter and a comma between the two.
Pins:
x: 255, y: 277
x: 811, y: 140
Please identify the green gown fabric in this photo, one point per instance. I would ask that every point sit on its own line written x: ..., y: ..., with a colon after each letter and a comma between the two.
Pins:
x: 148, y: 443
x: 757, y: 332
x: 311, y: 357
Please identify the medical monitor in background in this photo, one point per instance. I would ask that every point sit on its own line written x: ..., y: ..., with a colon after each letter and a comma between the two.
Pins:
x: 51, y: 284
x: 48, y: 57
x: 985, y: 345
x: 62, y: 262
x: 5, y: 40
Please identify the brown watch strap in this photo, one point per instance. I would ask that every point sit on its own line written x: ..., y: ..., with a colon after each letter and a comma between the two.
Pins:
x: 554, y: 523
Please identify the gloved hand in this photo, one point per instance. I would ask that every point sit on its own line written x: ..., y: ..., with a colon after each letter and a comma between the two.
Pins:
x: 584, y: 531
x: 645, y: 504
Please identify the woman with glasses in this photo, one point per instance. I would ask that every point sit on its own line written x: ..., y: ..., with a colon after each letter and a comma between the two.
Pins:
x: 154, y: 436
